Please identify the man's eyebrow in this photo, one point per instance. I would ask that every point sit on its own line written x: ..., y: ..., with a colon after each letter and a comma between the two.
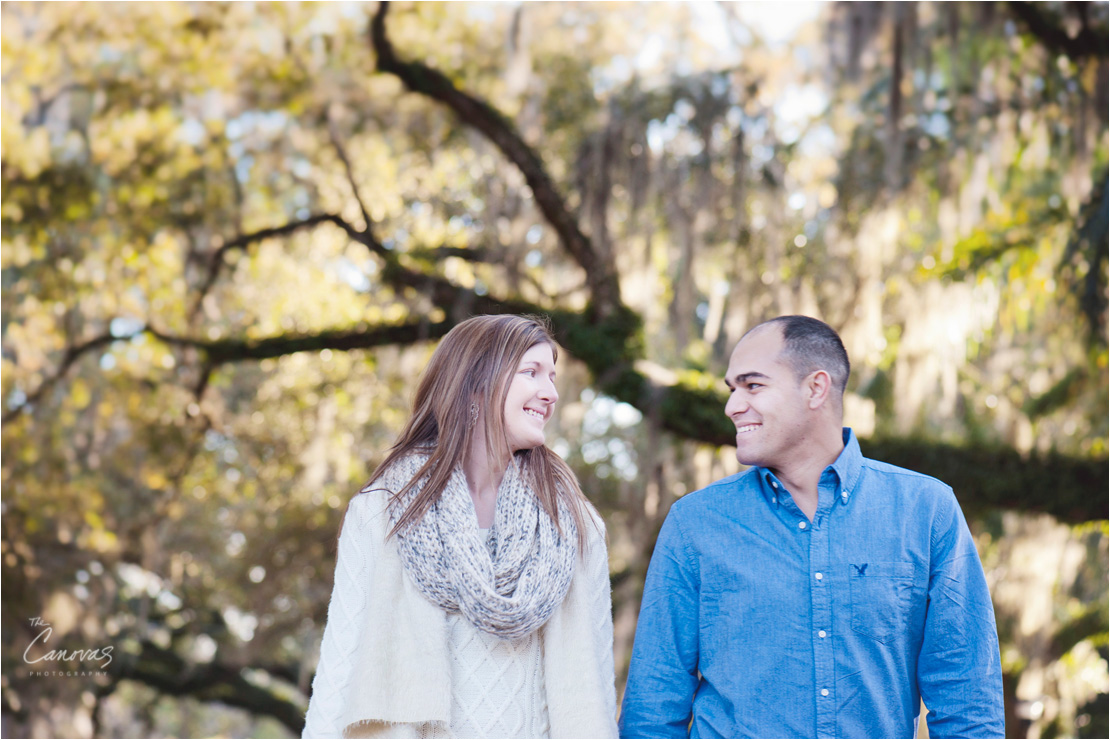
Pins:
x: 741, y: 378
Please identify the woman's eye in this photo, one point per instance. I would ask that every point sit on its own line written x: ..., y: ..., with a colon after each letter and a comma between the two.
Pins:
x: 529, y: 372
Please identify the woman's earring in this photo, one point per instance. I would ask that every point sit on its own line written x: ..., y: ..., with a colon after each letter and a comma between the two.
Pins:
x: 473, y: 414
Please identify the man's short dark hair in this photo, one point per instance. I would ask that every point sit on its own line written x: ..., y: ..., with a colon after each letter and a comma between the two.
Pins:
x: 810, y: 345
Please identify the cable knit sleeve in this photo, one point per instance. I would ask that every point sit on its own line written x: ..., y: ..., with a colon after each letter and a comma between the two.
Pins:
x: 601, y: 617
x: 346, y: 614
x: 578, y: 649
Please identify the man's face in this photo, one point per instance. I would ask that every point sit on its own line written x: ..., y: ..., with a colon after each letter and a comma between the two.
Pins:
x: 767, y: 403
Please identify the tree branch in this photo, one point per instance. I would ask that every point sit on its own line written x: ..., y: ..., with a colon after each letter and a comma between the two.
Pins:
x: 986, y: 477
x: 444, y: 294
x: 476, y: 254
x: 170, y: 674
x: 420, y: 78
x: 365, y: 237
x: 71, y: 355
x: 216, y: 261
x: 983, y: 477
x: 1087, y: 44
x: 341, y: 152
x: 223, y: 351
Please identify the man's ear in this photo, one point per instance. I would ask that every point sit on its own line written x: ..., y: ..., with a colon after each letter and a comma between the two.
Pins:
x: 818, y: 389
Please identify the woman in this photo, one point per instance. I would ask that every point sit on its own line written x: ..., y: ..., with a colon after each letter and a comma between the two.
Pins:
x: 471, y: 593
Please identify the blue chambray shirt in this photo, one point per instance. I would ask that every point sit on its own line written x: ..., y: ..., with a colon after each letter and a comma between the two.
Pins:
x: 756, y: 622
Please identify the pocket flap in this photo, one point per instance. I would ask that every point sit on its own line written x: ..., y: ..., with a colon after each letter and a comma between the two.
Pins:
x: 900, y: 571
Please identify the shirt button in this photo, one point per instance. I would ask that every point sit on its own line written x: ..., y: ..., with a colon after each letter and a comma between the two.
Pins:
x: 801, y: 525
x: 822, y: 634
x: 824, y: 692
x: 774, y: 485
x: 818, y: 576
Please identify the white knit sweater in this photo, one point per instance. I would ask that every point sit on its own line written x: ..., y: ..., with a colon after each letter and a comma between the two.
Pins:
x: 392, y: 664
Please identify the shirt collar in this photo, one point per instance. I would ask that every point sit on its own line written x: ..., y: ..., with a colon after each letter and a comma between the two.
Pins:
x: 846, y: 468
x: 848, y: 465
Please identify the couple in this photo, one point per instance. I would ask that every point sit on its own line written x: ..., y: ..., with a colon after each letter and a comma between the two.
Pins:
x: 818, y: 594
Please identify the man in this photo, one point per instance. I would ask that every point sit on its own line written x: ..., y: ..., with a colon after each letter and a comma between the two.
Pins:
x: 819, y: 593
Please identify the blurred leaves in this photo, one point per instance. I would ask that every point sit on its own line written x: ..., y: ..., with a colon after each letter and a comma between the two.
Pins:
x: 231, y: 235
x: 1084, y: 267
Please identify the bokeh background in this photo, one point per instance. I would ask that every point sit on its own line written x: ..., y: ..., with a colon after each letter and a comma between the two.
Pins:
x: 232, y: 233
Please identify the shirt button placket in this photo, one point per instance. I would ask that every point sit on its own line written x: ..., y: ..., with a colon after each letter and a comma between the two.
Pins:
x: 821, y: 604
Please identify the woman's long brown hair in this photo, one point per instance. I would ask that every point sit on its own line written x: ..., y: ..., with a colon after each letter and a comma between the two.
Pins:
x: 474, y: 364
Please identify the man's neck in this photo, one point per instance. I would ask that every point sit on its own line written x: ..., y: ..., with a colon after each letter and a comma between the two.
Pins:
x: 802, y: 477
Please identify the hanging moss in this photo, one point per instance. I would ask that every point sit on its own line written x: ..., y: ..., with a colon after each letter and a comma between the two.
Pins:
x: 602, y: 344
x: 1071, y: 489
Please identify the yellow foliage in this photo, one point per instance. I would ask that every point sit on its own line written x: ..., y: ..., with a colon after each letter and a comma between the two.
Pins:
x: 79, y: 393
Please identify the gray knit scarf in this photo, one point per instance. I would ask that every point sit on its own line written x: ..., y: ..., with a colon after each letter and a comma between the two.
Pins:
x: 507, y: 586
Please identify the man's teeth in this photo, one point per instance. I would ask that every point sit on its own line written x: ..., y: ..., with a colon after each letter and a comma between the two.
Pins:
x: 747, y: 428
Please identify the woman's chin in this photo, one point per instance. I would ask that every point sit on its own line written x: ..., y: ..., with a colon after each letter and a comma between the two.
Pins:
x: 530, y: 444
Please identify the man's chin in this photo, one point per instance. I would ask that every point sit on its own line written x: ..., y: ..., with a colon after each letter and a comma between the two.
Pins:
x: 747, y: 458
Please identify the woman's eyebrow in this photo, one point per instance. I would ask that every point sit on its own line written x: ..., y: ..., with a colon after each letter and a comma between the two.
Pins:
x: 536, y: 364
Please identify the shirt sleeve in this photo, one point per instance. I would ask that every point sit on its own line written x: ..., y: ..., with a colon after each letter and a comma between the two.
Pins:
x: 662, y: 677
x: 959, y: 672
x: 346, y: 612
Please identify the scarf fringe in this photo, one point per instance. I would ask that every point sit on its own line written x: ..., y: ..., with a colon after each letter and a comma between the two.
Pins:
x: 364, y: 725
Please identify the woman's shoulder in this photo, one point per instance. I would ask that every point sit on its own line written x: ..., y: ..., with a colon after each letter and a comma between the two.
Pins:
x: 593, y: 516
x: 367, y: 513
x: 596, y: 536
x: 393, y: 477
x: 373, y: 499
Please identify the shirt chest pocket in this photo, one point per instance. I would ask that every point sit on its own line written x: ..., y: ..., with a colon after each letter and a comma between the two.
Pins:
x: 881, y: 598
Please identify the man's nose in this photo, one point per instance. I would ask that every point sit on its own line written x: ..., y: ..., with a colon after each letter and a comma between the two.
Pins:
x: 737, y: 404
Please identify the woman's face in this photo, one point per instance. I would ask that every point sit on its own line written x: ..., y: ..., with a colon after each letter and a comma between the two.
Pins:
x: 531, y: 398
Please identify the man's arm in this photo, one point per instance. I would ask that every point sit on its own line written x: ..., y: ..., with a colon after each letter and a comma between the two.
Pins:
x: 662, y: 677
x: 959, y: 671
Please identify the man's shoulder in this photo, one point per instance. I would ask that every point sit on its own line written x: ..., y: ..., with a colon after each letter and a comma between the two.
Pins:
x: 905, y: 487
x: 903, y: 476
x: 711, y: 495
